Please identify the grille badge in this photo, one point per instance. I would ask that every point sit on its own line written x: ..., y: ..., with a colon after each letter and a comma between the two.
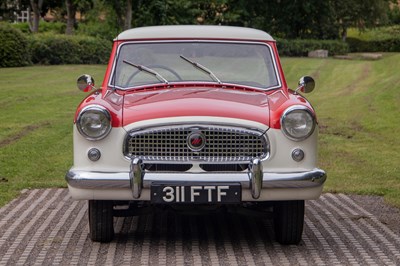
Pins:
x: 196, y: 141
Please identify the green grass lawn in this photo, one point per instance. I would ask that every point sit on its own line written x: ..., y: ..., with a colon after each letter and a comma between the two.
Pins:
x: 357, y: 103
x: 358, y: 107
x: 37, y: 106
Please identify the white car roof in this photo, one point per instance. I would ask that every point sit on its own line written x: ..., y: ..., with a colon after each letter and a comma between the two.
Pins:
x: 194, y: 32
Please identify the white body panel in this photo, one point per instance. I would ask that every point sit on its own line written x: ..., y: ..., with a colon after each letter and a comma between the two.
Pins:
x: 113, y: 161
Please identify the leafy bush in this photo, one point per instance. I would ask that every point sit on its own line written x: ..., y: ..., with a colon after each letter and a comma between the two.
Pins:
x: 18, y: 49
x: 55, y: 49
x: 302, y: 47
x: 98, y: 29
x: 94, y: 50
x: 387, y: 45
x: 106, y: 28
x: 380, y: 39
x: 378, y: 33
x: 49, y: 27
x: 394, y: 15
x: 14, y: 48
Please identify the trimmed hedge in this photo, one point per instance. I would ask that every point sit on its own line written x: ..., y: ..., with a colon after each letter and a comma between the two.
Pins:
x: 386, y: 45
x: 302, y: 47
x: 51, y: 27
x: 56, y: 49
x: 14, y: 47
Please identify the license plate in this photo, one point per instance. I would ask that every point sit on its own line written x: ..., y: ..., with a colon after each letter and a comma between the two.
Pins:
x: 196, y: 193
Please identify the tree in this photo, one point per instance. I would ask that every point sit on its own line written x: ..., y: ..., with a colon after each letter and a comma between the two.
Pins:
x: 40, y: 8
x: 10, y: 9
x: 359, y: 13
x: 169, y: 12
x: 308, y: 19
x: 71, y: 8
x: 290, y: 19
x: 71, y: 14
x: 36, y: 6
x: 100, y: 20
x: 123, y: 10
x: 312, y: 18
x: 128, y: 15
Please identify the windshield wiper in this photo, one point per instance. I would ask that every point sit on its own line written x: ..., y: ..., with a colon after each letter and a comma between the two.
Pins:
x: 147, y: 70
x: 202, y: 68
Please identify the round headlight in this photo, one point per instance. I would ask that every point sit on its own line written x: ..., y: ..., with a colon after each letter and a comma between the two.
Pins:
x: 94, y: 122
x: 298, y: 123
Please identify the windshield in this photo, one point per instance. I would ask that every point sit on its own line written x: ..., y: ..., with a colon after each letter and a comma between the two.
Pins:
x: 249, y: 64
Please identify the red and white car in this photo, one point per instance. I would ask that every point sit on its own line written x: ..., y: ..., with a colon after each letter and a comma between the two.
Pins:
x: 195, y: 116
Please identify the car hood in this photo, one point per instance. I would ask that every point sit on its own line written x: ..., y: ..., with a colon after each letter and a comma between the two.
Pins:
x: 192, y: 102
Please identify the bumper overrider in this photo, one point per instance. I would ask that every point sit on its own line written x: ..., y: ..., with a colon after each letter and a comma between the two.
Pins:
x: 256, y: 184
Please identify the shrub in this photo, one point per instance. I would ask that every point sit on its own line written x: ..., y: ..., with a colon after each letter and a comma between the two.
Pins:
x: 98, y: 29
x: 44, y: 27
x: 302, y: 47
x: 380, y: 39
x: 55, y: 49
x: 94, y: 50
x: 14, y: 48
x: 387, y: 45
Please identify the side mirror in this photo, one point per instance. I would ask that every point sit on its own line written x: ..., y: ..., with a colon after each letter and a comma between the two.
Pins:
x: 85, y: 83
x: 306, y: 84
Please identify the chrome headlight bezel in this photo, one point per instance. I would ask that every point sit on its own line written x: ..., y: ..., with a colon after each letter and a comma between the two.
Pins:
x: 103, y: 122
x: 308, y: 118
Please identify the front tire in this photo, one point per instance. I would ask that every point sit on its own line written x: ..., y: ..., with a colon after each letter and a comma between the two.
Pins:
x: 101, y: 224
x: 289, y: 221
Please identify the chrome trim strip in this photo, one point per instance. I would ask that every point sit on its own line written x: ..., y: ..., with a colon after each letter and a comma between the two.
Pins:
x: 120, y: 180
x: 201, y: 124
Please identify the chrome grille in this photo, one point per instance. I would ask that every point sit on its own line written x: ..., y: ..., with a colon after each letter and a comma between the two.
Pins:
x: 223, y: 144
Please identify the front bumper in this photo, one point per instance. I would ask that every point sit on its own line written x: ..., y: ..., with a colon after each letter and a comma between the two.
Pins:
x: 257, y: 185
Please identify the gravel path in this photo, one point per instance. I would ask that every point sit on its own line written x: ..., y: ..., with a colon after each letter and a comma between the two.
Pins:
x: 45, y: 227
